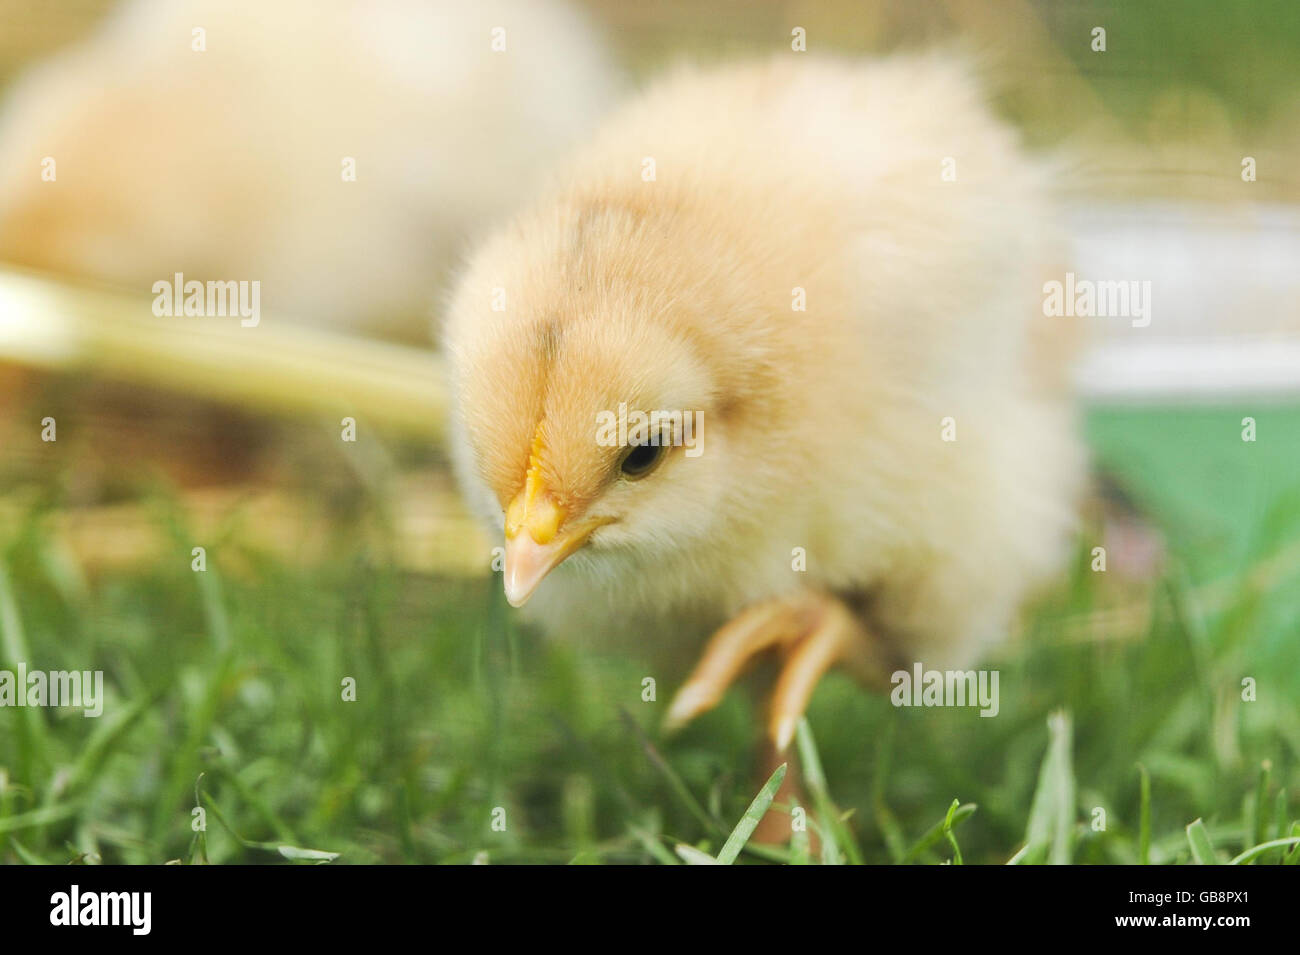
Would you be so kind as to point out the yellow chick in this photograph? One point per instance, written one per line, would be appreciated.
(820, 283)
(339, 153)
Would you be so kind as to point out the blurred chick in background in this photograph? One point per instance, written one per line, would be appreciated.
(908, 429)
(227, 162)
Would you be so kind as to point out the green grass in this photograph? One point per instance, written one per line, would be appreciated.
(473, 739)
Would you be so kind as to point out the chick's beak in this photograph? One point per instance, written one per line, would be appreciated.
(535, 544)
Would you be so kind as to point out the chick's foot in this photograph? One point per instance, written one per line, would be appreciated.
(811, 631)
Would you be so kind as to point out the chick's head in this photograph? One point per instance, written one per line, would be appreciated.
(596, 419)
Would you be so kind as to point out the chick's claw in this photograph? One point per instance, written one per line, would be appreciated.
(836, 636)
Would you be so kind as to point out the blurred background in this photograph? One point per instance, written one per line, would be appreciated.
(330, 559)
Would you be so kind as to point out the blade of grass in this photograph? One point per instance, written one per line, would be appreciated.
(1254, 852)
(289, 852)
(39, 817)
(947, 832)
(749, 821)
(1199, 840)
(693, 856)
(199, 845)
(650, 842)
(304, 855)
(31, 733)
(832, 824)
(831, 854)
(1262, 805)
(936, 832)
(1051, 816)
(1144, 816)
(1292, 856)
(27, 855)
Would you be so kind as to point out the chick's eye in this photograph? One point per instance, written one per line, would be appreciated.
(640, 460)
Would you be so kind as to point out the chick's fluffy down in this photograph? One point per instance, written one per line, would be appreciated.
(824, 427)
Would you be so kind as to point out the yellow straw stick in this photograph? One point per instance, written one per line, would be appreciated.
(274, 366)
